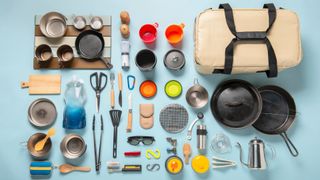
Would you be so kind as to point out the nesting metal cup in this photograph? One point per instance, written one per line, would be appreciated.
(43, 54)
(65, 55)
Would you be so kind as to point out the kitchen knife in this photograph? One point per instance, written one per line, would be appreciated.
(120, 88)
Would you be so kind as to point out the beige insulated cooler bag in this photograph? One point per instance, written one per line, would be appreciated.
(247, 40)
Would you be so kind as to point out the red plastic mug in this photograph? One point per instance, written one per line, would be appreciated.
(174, 33)
(148, 33)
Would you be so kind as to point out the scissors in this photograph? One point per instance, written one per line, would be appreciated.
(98, 85)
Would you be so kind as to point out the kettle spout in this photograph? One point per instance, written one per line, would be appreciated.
(242, 162)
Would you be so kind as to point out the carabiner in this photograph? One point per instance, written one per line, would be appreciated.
(131, 83)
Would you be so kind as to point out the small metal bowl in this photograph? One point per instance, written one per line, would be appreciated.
(96, 23)
(79, 22)
(197, 96)
(44, 153)
(73, 146)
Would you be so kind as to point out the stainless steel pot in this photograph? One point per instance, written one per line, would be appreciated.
(53, 25)
(73, 146)
(44, 153)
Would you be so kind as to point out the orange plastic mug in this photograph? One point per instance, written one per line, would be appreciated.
(174, 33)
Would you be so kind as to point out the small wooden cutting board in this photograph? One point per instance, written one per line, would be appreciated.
(43, 84)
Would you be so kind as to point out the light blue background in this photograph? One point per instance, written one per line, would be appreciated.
(16, 49)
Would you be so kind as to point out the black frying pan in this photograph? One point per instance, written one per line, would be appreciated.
(278, 114)
(90, 46)
(236, 104)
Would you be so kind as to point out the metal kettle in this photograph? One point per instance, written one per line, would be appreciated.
(256, 156)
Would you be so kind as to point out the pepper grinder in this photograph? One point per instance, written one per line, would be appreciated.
(201, 137)
(125, 49)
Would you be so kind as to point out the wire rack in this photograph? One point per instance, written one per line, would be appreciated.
(174, 118)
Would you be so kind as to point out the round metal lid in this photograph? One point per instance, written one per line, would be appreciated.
(174, 60)
(236, 104)
(42, 113)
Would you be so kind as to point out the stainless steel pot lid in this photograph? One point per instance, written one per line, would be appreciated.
(236, 104)
(174, 60)
(73, 146)
(42, 113)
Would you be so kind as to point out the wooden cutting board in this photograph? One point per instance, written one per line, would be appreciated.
(43, 84)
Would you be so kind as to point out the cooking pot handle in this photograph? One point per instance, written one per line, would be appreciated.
(234, 104)
(195, 81)
(107, 62)
(293, 150)
(24, 144)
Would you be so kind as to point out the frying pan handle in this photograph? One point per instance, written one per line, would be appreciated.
(234, 104)
(293, 150)
(115, 137)
(107, 62)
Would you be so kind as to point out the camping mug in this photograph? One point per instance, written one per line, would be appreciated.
(65, 55)
(146, 60)
(43, 54)
(44, 153)
(148, 33)
(174, 33)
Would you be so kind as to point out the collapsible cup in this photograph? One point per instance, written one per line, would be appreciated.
(174, 33)
(148, 33)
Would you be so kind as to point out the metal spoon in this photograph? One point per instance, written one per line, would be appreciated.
(40, 144)
(67, 168)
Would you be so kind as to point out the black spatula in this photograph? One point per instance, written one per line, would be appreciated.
(115, 118)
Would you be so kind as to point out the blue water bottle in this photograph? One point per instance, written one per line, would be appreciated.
(74, 116)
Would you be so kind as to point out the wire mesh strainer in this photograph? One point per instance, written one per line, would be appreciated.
(174, 118)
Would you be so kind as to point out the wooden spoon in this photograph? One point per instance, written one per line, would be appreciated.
(67, 168)
(40, 144)
(186, 152)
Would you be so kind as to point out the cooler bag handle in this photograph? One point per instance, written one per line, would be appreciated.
(252, 36)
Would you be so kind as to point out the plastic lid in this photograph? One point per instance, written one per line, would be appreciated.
(200, 164)
(174, 165)
(148, 89)
(173, 88)
(174, 60)
(236, 104)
